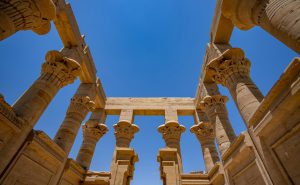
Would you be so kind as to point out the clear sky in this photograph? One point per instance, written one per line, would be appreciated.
(141, 48)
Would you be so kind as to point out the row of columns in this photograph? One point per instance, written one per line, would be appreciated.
(231, 69)
(59, 71)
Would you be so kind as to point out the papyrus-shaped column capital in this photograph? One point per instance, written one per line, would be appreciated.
(203, 130)
(125, 129)
(171, 132)
(124, 133)
(63, 70)
(231, 62)
(19, 15)
(232, 69)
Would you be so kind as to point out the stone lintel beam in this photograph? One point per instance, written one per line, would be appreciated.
(75, 46)
(88, 70)
(204, 131)
(232, 70)
(278, 17)
(93, 130)
(20, 15)
(150, 106)
(221, 28)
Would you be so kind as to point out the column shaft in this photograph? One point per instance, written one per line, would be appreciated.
(93, 130)
(57, 71)
(232, 70)
(79, 107)
(205, 134)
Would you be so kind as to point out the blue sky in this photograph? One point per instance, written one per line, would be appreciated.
(141, 48)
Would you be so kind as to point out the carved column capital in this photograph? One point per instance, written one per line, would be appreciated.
(171, 132)
(92, 132)
(59, 69)
(124, 133)
(203, 131)
(209, 101)
(80, 104)
(93, 129)
(240, 12)
(205, 134)
(231, 62)
(19, 15)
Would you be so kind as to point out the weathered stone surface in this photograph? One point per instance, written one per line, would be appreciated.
(122, 166)
(278, 17)
(232, 70)
(171, 132)
(80, 105)
(215, 108)
(92, 132)
(205, 134)
(124, 133)
(19, 15)
(267, 153)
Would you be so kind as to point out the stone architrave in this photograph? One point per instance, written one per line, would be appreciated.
(19, 15)
(79, 107)
(217, 114)
(92, 132)
(57, 71)
(232, 70)
(278, 17)
(205, 134)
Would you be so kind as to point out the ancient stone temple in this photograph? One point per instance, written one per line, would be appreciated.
(266, 153)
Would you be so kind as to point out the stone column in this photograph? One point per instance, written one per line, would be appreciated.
(278, 17)
(122, 167)
(171, 130)
(125, 129)
(19, 15)
(57, 71)
(205, 134)
(170, 162)
(170, 157)
(93, 130)
(232, 70)
(216, 111)
(124, 158)
(80, 105)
